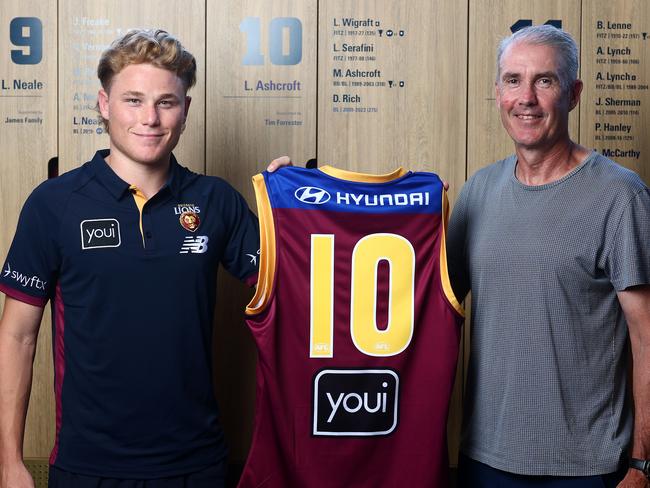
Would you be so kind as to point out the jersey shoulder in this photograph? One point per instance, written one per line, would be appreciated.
(52, 195)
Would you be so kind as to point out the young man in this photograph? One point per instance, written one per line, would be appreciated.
(126, 248)
(553, 243)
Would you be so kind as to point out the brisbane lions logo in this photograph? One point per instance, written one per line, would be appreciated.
(190, 221)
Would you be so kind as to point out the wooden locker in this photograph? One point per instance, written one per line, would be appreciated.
(28, 33)
(392, 92)
(491, 21)
(392, 86)
(616, 74)
(249, 121)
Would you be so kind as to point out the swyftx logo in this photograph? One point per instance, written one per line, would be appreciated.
(355, 402)
(24, 280)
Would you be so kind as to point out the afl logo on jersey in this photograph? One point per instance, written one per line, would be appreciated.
(312, 195)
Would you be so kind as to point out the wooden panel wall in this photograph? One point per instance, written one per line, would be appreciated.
(415, 89)
(392, 86)
(615, 69)
(28, 108)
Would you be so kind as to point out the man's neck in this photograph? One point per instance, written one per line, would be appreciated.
(148, 178)
(541, 166)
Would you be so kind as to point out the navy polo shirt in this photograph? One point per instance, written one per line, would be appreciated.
(132, 313)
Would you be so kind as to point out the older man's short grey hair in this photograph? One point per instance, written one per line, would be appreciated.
(547, 35)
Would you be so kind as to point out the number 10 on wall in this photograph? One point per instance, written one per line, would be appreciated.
(279, 53)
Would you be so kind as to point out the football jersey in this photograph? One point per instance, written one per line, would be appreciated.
(357, 331)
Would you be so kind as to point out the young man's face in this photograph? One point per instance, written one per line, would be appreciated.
(146, 108)
(534, 108)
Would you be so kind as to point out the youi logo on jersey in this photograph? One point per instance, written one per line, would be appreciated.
(353, 402)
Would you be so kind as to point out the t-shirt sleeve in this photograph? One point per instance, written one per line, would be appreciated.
(628, 259)
(29, 273)
(457, 245)
(242, 251)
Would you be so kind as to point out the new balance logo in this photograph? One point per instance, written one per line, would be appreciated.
(312, 195)
(194, 245)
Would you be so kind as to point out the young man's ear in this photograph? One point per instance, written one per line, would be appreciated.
(188, 100)
(102, 102)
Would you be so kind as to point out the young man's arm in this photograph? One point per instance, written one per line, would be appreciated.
(18, 333)
(635, 302)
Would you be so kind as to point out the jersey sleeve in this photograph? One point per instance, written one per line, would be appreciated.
(628, 259)
(30, 271)
(241, 253)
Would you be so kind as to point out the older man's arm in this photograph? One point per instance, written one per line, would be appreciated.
(278, 163)
(635, 302)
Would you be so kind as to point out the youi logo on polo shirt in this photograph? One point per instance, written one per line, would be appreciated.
(312, 195)
(99, 233)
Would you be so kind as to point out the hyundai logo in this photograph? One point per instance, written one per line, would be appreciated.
(312, 195)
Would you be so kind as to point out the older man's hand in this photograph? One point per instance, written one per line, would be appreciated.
(634, 479)
(279, 163)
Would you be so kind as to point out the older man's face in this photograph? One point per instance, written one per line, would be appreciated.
(534, 109)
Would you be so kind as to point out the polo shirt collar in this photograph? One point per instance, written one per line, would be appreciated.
(118, 187)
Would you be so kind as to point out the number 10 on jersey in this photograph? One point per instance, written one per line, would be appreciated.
(368, 252)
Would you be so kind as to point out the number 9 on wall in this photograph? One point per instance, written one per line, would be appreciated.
(26, 33)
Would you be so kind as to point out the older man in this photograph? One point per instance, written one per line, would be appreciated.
(554, 243)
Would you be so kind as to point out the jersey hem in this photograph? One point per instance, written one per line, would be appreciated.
(23, 297)
(138, 475)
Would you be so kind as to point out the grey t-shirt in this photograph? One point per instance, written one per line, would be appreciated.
(547, 392)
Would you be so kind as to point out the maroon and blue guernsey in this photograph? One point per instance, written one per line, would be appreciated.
(133, 296)
(357, 330)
